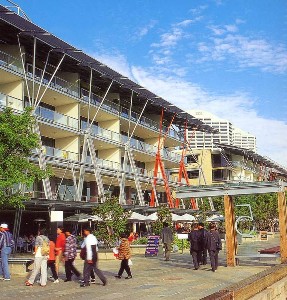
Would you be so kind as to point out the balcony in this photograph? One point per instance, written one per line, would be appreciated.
(8, 101)
(57, 118)
(50, 151)
(124, 113)
(10, 62)
(101, 132)
(56, 83)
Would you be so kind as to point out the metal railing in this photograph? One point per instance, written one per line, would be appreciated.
(14, 64)
(56, 117)
(57, 82)
(8, 101)
(10, 62)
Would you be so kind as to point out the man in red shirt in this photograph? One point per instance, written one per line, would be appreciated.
(60, 246)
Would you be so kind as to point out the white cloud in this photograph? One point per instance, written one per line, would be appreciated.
(238, 107)
(144, 30)
(244, 51)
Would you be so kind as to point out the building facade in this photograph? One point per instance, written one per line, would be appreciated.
(227, 134)
(102, 134)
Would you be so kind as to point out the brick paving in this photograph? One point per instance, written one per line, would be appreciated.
(153, 278)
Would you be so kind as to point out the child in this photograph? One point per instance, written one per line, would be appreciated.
(124, 255)
(51, 260)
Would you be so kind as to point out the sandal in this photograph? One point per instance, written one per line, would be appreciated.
(27, 283)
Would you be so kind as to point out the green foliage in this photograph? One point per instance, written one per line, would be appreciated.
(114, 221)
(164, 215)
(181, 243)
(140, 241)
(17, 141)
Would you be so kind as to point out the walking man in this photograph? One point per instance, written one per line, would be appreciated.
(196, 245)
(167, 239)
(91, 260)
(70, 254)
(6, 245)
(214, 245)
(203, 255)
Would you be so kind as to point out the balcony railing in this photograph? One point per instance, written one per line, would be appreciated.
(10, 62)
(101, 132)
(14, 64)
(8, 101)
(124, 113)
(57, 82)
(57, 117)
(50, 151)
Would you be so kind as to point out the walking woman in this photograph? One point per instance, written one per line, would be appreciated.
(40, 262)
(213, 244)
(124, 256)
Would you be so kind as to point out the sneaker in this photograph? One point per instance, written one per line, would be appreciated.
(84, 284)
(56, 281)
(129, 277)
(7, 279)
(93, 281)
(118, 276)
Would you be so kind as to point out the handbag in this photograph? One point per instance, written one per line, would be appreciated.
(130, 263)
(83, 253)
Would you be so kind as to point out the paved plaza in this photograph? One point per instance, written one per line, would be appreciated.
(153, 278)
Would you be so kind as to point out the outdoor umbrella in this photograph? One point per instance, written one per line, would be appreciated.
(152, 217)
(187, 218)
(136, 217)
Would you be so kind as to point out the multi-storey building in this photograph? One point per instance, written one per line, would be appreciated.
(227, 134)
(100, 132)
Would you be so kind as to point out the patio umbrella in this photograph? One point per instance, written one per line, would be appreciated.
(78, 218)
(215, 218)
(152, 217)
(187, 218)
(136, 217)
(175, 218)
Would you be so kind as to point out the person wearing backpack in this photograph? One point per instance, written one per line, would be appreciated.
(6, 245)
(41, 251)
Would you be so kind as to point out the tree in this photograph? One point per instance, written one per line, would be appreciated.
(163, 215)
(17, 141)
(114, 220)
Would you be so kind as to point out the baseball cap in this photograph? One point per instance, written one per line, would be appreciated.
(4, 225)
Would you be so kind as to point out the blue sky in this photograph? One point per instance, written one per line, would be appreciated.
(228, 57)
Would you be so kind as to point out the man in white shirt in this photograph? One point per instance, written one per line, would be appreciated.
(91, 244)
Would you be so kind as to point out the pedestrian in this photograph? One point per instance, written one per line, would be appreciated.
(40, 260)
(167, 239)
(90, 245)
(125, 256)
(214, 245)
(60, 247)
(70, 254)
(195, 238)
(51, 260)
(6, 245)
(203, 256)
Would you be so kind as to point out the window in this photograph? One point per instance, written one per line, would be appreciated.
(191, 159)
(193, 174)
